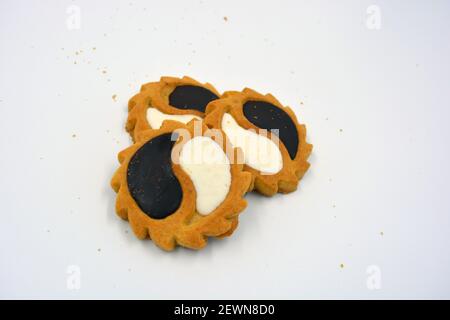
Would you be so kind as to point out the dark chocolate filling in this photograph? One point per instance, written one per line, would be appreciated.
(191, 97)
(150, 178)
(268, 116)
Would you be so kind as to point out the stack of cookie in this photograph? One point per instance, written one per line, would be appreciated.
(196, 153)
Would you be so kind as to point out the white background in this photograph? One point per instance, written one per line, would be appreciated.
(375, 101)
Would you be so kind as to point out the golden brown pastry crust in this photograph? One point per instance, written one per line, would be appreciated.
(185, 226)
(287, 179)
(156, 94)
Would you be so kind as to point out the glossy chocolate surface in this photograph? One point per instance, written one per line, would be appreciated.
(150, 178)
(191, 97)
(268, 116)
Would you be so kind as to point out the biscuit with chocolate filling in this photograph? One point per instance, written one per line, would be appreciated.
(271, 138)
(168, 99)
(178, 185)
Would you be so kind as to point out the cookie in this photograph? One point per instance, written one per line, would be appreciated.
(169, 99)
(178, 186)
(272, 140)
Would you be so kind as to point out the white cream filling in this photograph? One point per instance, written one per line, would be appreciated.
(209, 169)
(260, 152)
(155, 117)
